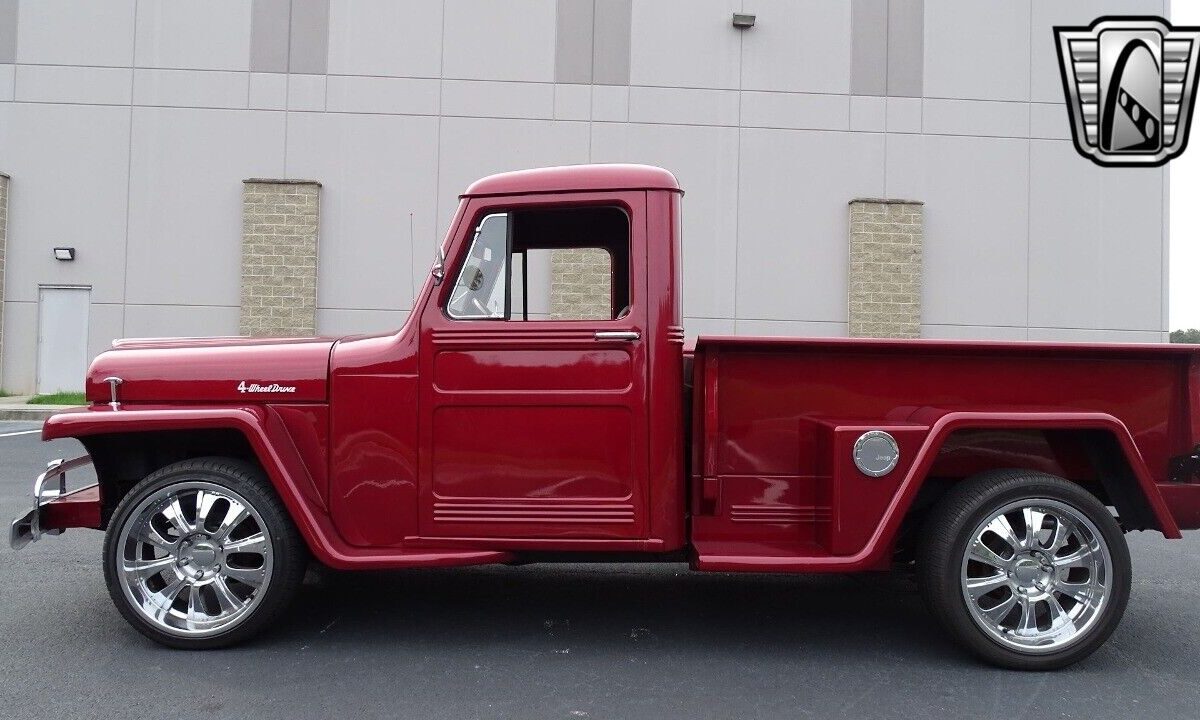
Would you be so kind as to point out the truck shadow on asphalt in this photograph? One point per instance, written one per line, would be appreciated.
(609, 608)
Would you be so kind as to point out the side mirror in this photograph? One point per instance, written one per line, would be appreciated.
(438, 271)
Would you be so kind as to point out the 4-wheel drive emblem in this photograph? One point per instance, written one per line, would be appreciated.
(1130, 84)
(245, 387)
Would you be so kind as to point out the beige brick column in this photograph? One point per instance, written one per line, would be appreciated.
(280, 220)
(3, 251)
(886, 237)
(580, 284)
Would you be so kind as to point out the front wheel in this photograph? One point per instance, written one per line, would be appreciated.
(202, 554)
(1025, 570)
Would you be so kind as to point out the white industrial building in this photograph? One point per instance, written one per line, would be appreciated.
(127, 128)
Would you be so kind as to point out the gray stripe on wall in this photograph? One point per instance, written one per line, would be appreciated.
(573, 42)
(869, 61)
(610, 53)
(8, 31)
(906, 48)
(309, 49)
(269, 21)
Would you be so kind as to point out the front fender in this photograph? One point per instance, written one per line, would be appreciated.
(262, 429)
(281, 461)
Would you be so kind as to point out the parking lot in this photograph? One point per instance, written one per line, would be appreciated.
(571, 641)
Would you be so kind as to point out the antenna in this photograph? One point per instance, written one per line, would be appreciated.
(412, 254)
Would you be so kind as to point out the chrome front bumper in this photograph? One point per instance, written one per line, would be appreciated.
(49, 486)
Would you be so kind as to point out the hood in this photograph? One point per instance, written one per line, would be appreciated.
(213, 370)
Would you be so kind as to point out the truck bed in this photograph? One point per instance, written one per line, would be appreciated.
(775, 419)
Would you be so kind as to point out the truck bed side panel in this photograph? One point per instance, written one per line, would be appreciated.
(776, 420)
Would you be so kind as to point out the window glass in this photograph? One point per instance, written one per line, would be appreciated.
(479, 292)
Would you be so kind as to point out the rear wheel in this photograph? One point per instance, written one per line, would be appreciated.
(1025, 570)
(202, 554)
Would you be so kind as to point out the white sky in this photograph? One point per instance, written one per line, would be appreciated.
(1185, 210)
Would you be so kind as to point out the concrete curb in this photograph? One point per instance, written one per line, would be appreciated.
(30, 413)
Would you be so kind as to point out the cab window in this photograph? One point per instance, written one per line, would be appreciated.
(531, 265)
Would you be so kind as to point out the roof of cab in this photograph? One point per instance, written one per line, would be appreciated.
(575, 178)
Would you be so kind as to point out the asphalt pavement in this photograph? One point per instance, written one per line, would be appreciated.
(565, 641)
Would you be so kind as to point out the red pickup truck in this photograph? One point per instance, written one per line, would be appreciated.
(485, 432)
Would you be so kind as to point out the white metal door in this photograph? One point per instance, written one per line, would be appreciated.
(62, 338)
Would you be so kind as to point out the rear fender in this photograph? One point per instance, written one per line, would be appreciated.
(1121, 470)
(876, 554)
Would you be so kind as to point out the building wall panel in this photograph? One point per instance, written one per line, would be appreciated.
(128, 128)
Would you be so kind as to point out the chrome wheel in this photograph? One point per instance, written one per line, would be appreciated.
(194, 559)
(1036, 575)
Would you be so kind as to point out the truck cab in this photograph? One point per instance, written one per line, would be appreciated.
(513, 425)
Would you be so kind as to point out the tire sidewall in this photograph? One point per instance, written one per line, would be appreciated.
(241, 480)
(955, 613)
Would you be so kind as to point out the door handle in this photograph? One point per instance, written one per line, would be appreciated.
(626, 335)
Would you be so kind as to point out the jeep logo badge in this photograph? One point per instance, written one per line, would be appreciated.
(1130, 84)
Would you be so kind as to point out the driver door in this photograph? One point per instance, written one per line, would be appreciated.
(535, 426)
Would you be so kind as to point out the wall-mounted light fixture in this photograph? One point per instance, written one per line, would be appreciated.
(64, 253)
(743, 21)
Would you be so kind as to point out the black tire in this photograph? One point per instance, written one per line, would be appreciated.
(944, 541)
(288, 551)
